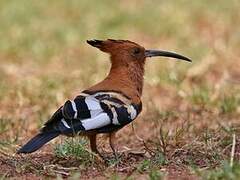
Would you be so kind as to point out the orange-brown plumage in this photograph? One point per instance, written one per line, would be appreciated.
(127, 70)
(126, 73)
(107, 106)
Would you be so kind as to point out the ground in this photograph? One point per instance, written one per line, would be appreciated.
(189, 127)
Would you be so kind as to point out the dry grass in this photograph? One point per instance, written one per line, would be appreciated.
(191, 111)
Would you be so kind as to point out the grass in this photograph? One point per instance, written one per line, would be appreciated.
(225, 171)
(229, 104)
(190, 110)
(76, 149)
(153, 163)
(200, 96)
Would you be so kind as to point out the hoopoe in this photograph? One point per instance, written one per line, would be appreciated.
(107, 106)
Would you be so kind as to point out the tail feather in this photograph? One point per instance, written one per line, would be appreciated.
(38, 141)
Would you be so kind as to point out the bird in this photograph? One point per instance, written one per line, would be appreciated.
(107, 106)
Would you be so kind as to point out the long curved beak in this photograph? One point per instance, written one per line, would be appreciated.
(152, 53)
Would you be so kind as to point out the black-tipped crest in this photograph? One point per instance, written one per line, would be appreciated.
(99, 43)
(111, 45)
(95, 43)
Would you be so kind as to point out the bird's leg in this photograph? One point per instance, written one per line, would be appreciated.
(112, 137)
(93, 145)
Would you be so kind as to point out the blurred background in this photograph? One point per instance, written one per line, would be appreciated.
(44, 60)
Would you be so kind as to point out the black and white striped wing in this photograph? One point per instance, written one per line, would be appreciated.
(86, 113)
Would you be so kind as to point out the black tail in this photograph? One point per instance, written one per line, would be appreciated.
(38, 141)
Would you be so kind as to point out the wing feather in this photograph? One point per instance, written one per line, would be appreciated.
(88, 112)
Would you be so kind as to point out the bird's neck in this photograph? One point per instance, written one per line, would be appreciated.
(127, 79)
(131, 76)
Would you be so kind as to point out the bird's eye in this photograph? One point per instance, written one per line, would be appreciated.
(136, 51)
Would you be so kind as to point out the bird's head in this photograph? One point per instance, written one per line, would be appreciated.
(124, 52)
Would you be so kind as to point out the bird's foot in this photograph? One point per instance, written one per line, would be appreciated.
(98, 155)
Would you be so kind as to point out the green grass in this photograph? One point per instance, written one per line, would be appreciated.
(155, 175)
(229, 104)
(225, 171)
(75, 148)
(200, 96)
(155, 162)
